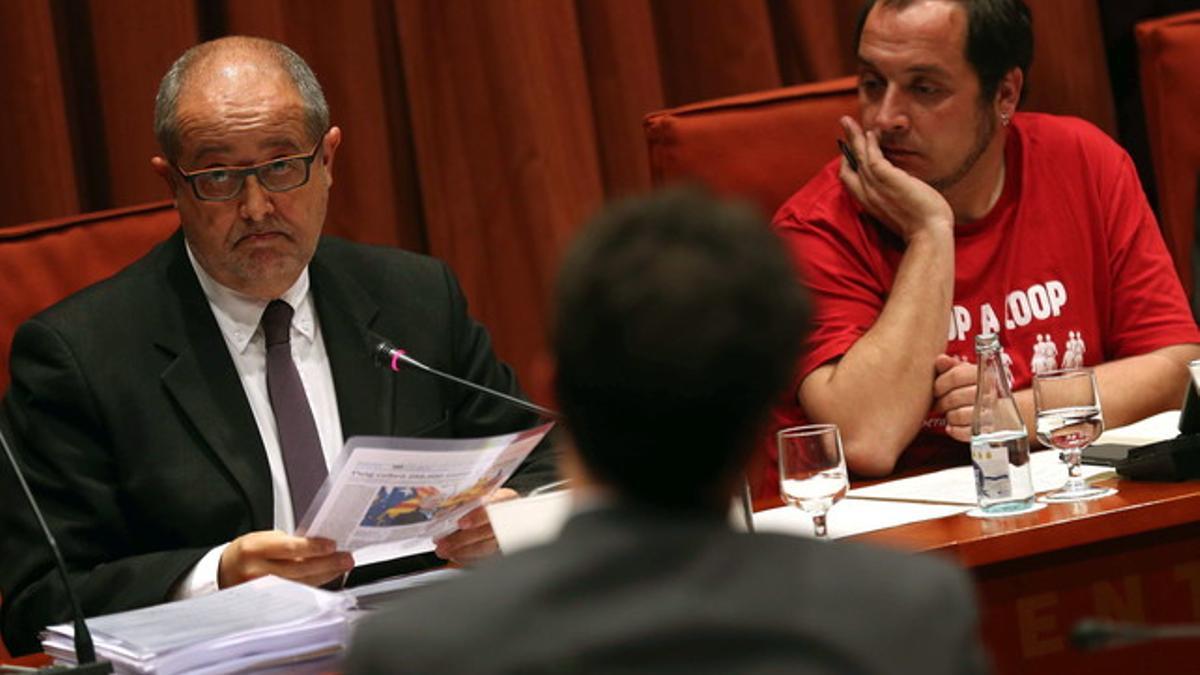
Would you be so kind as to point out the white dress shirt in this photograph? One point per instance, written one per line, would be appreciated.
(238, 316)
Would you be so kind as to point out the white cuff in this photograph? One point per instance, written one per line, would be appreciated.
(202, 579)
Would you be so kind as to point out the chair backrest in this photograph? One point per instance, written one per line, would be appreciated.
(1169, 55)
(761, 147)
(43, 262)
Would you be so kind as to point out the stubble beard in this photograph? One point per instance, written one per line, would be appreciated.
(984, 131)
(276, 269)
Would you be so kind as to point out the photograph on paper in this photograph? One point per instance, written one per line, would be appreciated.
(387, 497)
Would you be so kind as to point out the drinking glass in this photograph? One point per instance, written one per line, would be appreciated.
(812, 470)
(1069, 419)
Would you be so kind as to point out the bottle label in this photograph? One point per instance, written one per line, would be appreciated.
(991, 462)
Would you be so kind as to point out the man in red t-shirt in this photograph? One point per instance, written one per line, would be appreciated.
(964, 217)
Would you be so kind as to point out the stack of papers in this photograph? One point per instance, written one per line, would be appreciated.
(265, 623)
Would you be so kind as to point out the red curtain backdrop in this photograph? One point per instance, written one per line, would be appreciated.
(479, 131)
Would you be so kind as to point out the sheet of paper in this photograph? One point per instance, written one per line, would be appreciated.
(370, 596)
(536, 520)
(522, 523)
(852, 516)
(957, 485)
(390, 497)
(947, 492)
(1155, 428)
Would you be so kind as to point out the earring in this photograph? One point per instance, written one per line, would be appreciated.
(1004, 119)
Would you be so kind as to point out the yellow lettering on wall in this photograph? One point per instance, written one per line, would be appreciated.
(1125, 603)
(1189, 573)
(1037, 625)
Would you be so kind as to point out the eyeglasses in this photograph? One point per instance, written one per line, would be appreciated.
(277, 175)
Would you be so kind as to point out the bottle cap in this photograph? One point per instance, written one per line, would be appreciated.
(987, 341)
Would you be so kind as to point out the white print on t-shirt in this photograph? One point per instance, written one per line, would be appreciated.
(1073, 356)
(1007, 362)
(1045, 355)
(1021, 307)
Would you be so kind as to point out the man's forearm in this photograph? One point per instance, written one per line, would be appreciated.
(1132, 388)
(879, 392)
(1137, 387)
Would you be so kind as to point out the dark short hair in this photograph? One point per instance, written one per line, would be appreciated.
(999, 37)
(679, 321)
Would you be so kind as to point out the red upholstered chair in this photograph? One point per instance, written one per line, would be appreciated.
(1169, 54)
(761, 147)
(43, 262)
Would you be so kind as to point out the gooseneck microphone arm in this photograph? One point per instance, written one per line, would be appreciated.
(1092, 634)
(85, 651)
(391, 358)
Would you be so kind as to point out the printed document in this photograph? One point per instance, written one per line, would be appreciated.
(388, 497)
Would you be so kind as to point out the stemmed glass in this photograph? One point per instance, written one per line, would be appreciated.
(812, 470)
(1069, 419)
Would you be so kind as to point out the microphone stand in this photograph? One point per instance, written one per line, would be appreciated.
(390, 357)
(747, 504)
(85, 651)
(1096, 634)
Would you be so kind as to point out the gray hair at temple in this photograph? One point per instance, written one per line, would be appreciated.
(166, 127)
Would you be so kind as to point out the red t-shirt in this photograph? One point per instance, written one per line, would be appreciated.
(1068, 268)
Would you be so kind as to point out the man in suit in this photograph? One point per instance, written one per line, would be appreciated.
(678, 323)
(148, 418)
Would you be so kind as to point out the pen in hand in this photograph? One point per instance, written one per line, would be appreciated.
(848, 154)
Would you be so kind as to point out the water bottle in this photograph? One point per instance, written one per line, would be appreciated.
(999, 441)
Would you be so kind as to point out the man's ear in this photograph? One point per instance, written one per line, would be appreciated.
(164, 170)
(1008, 93)
(333, 139)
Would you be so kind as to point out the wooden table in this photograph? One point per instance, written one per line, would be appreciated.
(1133, 556)
(38, 660)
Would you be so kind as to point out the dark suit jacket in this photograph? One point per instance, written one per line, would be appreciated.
(629, 591)
(136, 436)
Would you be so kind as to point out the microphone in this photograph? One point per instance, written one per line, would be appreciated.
(85, 651)
(1094, 634)
(391, 358)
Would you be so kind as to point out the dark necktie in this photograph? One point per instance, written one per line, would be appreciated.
(298, 438)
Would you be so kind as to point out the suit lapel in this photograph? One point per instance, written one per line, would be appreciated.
(205, 385)
(346, 313)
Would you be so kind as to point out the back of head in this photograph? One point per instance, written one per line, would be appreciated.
(679, 319)
(999, 37)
